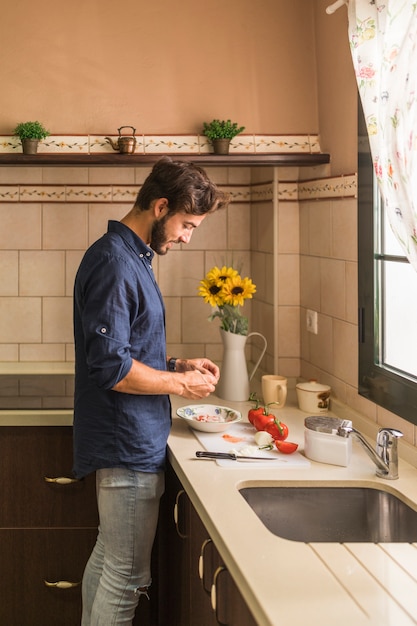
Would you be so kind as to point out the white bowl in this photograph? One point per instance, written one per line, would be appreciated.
(217, 418)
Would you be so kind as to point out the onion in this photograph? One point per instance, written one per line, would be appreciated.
(263, 439)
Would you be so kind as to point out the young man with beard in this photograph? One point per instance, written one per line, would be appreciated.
(123, 378)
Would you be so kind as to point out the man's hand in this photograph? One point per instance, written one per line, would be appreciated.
(197, 384)
(203, 365)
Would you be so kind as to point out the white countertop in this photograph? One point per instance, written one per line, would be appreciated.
(287, 582)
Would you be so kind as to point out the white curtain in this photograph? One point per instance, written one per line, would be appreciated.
(383, 40)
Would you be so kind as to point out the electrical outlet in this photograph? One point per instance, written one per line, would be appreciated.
(312, 322)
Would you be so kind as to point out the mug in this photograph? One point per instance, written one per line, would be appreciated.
(274, 389)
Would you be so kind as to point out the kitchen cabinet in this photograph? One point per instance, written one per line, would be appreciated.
(193, 573)
(48, 527)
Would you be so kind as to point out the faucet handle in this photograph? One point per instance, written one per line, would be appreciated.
(387, 449)
(389, 434)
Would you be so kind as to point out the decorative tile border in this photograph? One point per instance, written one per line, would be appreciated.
(325, 188)
(42, 193)
(262, 192)
(89, 193)
(286, 144)
(337, 187)
(172, 144)
(169, 144)
(9, 193)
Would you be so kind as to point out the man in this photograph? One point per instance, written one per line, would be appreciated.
(122, 411)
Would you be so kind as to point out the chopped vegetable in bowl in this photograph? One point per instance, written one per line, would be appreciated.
(209, 417)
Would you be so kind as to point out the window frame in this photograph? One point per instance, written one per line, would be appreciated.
(386, 388)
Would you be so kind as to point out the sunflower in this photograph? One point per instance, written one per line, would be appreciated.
(212, 292)
(216, 275)
(236, 290)
(225, 290)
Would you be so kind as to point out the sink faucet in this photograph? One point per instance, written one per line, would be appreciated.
(385, 455)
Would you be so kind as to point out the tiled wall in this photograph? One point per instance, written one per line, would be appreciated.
(168, 144)
(49, 216)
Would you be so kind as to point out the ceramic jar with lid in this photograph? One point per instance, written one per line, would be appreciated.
(323, 444)
(313, 397)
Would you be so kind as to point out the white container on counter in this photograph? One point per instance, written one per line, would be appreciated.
(322, 444)
(313, 397)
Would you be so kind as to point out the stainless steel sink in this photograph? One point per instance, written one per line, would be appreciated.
(333, 514)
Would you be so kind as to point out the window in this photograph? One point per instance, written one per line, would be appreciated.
(387, 303)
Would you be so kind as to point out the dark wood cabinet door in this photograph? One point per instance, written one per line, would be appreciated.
(204, 560)
(184, 588)
(40, 573)
(29, 456)
(173, 550)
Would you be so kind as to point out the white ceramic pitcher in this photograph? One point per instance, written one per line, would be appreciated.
(234, 379)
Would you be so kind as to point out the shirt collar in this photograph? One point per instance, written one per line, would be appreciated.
(131, 238)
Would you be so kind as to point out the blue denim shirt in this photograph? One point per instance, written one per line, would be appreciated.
(119, 315)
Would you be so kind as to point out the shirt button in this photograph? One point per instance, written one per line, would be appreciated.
(148, 254)
(103, 330)
(141, 255)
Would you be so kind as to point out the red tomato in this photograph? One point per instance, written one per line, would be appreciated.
(262, 420)
(253, 413)
(278, 430)
(286, 447)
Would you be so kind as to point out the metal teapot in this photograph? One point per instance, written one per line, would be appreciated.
(125, 144)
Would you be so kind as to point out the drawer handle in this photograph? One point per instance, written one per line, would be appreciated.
(62, 584)
(201, 563)
(213, 595)
(176, 514)
(61, 480)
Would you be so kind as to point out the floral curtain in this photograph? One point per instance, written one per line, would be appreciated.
(383, 41)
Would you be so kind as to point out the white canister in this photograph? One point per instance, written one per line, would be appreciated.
(313, 397)
(323, 444)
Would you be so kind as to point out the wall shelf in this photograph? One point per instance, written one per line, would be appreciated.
(137, 160)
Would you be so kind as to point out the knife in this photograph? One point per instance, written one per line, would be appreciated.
(232, 457)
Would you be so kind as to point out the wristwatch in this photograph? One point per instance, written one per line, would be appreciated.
(172, 364)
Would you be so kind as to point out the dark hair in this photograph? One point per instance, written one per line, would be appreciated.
(186, 187)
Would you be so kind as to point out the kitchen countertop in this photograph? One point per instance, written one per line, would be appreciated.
(36, 417)
(288, 582)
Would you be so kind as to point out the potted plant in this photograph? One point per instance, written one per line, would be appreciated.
(220, 133)
(30, 133)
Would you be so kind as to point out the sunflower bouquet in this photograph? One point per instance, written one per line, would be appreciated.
(224, 289)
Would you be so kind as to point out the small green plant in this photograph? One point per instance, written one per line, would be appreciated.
(30, 130)
(221, 129)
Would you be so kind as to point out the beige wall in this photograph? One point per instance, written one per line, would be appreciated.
(275, 66)
(337, 91)
(328, 233)
(90, 67)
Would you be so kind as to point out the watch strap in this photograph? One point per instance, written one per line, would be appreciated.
(172, 364)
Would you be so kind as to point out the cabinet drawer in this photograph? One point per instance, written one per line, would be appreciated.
(28, 558)
(29, 455)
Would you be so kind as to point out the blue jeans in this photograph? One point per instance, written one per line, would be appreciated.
(119, 568)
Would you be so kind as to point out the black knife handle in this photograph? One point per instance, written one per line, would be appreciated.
(215, 455)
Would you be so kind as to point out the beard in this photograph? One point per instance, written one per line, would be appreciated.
(159, 237)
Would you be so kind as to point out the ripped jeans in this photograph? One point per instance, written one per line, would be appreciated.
(119, 568)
